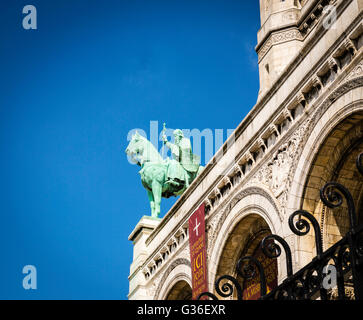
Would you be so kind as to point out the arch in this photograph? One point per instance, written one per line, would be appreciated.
(344, 101)
(178, 270)
(336, 161)
(244, 240)
(225, 212)
(334, 129)
(181, 290)
(246, 208)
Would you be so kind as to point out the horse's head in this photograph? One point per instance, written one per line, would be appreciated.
(141, 150)
(136, 145)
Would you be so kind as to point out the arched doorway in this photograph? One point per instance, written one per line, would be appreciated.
(335, 161)
(244, 240)
(180, 291)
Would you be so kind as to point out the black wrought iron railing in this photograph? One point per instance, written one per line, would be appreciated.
(312, 281)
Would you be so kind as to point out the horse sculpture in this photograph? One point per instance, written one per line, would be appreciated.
(154, 172)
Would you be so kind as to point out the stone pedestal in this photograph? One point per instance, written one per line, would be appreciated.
(138, 236)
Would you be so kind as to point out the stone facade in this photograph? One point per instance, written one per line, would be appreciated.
(306, 129)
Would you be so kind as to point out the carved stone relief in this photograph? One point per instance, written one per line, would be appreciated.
(274, 174)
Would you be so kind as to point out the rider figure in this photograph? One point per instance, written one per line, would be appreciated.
(181, 150)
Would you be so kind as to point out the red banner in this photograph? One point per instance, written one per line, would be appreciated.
(198, 252)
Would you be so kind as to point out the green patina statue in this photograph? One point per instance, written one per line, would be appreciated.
(164, 177)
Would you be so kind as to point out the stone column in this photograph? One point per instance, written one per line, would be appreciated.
(138, 236)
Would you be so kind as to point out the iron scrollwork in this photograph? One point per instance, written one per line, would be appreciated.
(302, 228)
(332, 196)
(346, 256)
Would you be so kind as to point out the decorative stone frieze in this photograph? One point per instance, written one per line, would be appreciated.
(277, 38)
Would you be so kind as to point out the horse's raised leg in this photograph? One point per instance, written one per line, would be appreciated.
(157, 189)
(152, 202)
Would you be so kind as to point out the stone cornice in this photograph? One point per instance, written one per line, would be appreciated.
(278, 37)
(305, 13)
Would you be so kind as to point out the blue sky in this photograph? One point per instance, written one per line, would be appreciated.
(70, 92)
